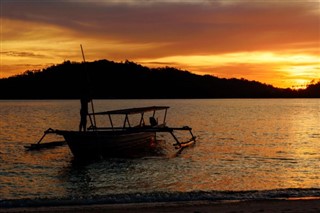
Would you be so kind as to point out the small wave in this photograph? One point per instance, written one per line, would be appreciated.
(314, 135)
(227, 139)
(293, 193)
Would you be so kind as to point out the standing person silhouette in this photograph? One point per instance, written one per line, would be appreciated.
(83, 113)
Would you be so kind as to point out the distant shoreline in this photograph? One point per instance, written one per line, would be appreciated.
(274, 205)
(111, 80)
(62, 99)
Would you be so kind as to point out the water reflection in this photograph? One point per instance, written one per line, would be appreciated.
(241, 145)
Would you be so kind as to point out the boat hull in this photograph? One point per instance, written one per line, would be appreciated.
(106, 144)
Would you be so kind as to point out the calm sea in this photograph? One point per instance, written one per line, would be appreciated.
(246, 149)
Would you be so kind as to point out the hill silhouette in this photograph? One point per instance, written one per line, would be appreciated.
(105, 79)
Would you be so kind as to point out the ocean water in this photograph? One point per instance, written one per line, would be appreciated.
(245, 149)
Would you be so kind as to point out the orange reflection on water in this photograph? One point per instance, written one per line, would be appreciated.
(241, 145)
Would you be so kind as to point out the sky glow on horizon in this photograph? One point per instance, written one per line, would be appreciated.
(267, 41)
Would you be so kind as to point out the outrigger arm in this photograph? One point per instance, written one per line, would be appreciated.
(179, 144)
(40, 145)
(171, 130)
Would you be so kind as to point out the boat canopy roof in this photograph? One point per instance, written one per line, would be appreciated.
(127, 111)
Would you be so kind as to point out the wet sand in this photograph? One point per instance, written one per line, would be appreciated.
(287, 206)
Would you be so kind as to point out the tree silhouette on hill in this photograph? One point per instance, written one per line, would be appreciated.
(105, 79)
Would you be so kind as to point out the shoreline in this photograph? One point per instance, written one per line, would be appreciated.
(274, 205)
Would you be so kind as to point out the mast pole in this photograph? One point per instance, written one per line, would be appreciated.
(92, 108)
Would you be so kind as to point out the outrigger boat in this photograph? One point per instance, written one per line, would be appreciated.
(124, 139)
(117, 141)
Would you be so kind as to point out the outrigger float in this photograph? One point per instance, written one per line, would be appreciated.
(122, 140)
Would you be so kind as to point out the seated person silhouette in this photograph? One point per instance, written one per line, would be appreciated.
(153, 121)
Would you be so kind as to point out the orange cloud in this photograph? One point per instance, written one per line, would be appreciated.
(218, 37)
(278, 69)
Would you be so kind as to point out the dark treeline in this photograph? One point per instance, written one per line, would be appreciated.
(105, 79)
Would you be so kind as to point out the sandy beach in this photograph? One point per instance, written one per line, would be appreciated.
(288, 206)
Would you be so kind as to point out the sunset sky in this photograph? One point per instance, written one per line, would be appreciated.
(272, 41)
